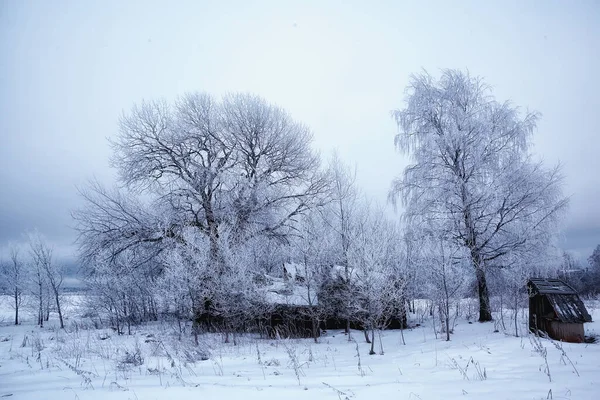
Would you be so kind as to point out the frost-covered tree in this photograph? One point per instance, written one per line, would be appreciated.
(442, 267)
(375, 276)
(47, 275)
(230, 299)
(344, 206)
(473, 173)
(202, 163)
(15, 278)
(594, 259)
(123, 289)
(340, 216)
(206, 169)
(313, 250)
(584, 278)
(114, 222)
(593, 286)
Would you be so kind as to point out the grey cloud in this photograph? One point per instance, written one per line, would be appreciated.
(67, 70)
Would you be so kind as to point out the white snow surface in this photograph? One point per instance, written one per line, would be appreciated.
(82, 362)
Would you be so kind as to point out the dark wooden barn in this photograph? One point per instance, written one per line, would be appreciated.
(556, 310)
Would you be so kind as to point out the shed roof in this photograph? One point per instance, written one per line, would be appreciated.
(564, 299)
(550, 286)
(569, 308)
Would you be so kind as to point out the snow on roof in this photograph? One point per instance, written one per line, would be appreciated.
(569, 308)
(289, 293)
(550, 286)
(293, 270)
(563, 298)
(293, 290)
(339, 271)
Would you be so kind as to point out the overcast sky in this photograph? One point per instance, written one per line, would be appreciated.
(69, 68)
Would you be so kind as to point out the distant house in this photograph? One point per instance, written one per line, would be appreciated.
(291, 304)
(296, 308)
(556, 309)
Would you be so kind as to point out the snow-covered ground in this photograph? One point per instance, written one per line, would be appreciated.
(82, 362)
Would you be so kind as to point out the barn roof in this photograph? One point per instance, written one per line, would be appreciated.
(564, 299)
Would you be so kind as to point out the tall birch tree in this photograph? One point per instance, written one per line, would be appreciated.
(472, 171)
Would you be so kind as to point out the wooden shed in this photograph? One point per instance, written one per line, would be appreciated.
(556, 309)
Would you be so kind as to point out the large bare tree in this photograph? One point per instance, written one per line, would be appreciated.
(238, 165)
(472, 172)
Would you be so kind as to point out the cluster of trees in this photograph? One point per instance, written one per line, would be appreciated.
(585, 279)
(33, 279)
(216, 195)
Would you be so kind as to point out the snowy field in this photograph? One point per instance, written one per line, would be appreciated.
(82, 362)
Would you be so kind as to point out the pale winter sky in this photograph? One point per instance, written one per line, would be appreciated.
(69, 68)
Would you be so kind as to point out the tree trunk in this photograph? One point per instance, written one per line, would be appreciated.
(446, 306)
(433, 320)
(348, 329)
(441, 312)
(16, 306)
(216, 262)
(366, 332)
(315, 329)
(60, 316)
(502, 312)
(447, 322)
(213, 236)
(516, 314)
(41, 307)
(485, 313)
(47, 303)
(347, 282)
(402, 332)
(372, 352)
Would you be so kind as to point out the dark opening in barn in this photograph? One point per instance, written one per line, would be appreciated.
(555, 309)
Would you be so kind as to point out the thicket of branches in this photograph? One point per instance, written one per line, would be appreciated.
(215, 196)
(33, 279)
(584, 277)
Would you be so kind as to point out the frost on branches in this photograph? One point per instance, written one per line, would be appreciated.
(472, 175)
(205, 184)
